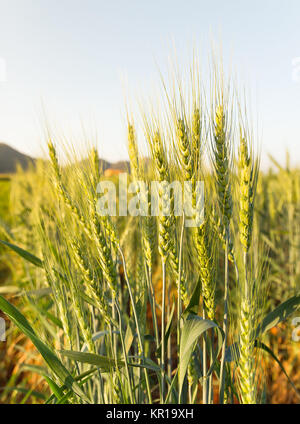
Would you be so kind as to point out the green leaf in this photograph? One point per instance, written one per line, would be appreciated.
(129, 337)
(97, 336)
(193, 328)
(58, 392)
(93, 359)
(172, 389)
(193, 306)
(278, 315)
(15, 314)
(65, 398)
(147, 363)
(107, 363)
(52, 360)
(168, 330)
(80, 378)
(24, 254)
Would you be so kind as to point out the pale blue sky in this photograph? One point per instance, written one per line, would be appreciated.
(74, 54)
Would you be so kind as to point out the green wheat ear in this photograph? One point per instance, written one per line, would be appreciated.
(190, 159)
(106, 221)
(248, 181)
(196, 137)
(222, 165)
(133, 153)
(92, 229)
(93, 288)
(166, 224)
(184, 149)
(205, 260)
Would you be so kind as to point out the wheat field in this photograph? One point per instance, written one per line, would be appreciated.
(146, 309)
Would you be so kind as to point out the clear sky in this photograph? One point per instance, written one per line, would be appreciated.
(73, 56)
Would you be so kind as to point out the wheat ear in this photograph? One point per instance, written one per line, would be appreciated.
(248, 180)
(222, 176)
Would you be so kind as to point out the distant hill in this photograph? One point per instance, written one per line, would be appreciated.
(121, 165)
(105, 165)
(9, 158)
